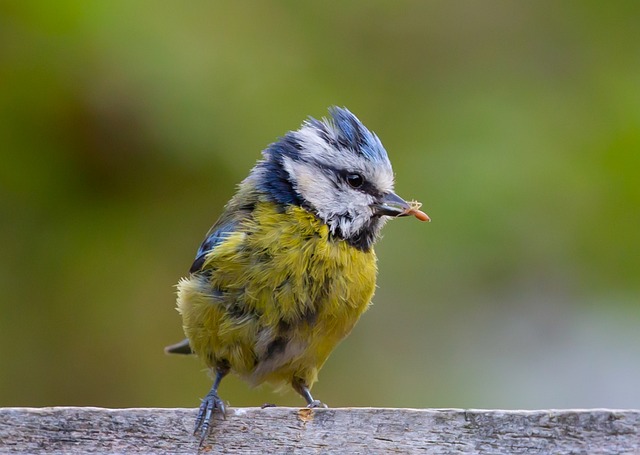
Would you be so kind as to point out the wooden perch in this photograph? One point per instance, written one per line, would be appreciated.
(326, 431)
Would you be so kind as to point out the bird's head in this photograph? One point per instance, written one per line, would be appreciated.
(337, 169)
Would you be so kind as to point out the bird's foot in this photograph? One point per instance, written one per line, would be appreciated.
(268, 405)
(210, 404)
(317, 404)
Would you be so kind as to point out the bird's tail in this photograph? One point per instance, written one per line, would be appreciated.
(181, 347)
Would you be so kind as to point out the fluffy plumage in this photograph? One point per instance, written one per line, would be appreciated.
(285, 273)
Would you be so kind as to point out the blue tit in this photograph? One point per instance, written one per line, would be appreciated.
(289, 267)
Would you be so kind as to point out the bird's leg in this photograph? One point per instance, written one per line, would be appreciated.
(210, 403)
(301, 387)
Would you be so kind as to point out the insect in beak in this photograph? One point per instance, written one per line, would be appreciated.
(391, 204)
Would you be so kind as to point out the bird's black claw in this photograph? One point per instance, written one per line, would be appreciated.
(268, 405)
(210, 404)
(317, 404)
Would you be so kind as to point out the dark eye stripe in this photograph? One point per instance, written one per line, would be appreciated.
(366, 187)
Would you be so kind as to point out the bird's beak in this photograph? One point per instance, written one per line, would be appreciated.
(391, 204)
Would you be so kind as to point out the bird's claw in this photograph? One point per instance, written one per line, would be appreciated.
(317, 404)
(210, 404)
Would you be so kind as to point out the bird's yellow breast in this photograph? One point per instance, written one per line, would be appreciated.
(276, 296)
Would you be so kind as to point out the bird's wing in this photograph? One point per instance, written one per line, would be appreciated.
(215, 236)
(226, 224)
(238, 209)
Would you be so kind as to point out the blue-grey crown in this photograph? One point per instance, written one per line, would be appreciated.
(343, 130)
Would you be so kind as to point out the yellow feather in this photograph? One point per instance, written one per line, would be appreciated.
(280, 275)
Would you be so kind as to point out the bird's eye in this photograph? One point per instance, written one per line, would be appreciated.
(355, 180)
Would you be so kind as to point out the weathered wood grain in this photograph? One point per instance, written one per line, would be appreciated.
(323, 431)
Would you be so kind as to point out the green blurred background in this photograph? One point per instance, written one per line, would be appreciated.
(125, 125)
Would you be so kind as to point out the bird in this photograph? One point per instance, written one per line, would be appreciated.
(289, 267)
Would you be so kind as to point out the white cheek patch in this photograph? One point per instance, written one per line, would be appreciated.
(342, 208)
(311, 184)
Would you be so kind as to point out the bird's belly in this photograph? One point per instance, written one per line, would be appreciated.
(279, 297)
(301, 350)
